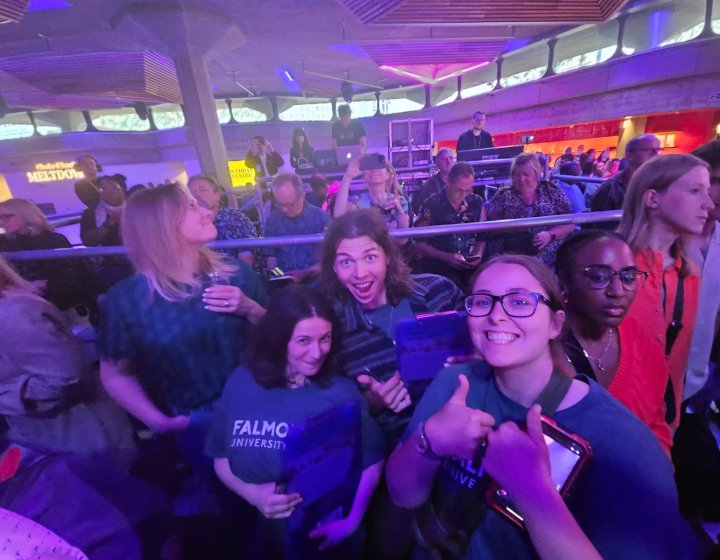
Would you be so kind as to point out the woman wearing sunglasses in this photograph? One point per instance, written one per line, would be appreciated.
(599, 278)
(624, 503)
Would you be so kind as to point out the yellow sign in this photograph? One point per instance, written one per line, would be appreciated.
(240, 174)
(58, 171)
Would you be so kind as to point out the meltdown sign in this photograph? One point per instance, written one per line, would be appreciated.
(58, 171)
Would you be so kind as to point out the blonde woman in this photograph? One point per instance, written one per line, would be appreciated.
(64, 283)
(171, 334)
(666, 204)
(529, 196)
(383, 191)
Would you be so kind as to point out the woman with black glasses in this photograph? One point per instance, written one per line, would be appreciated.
(600, 280)
(483, 418)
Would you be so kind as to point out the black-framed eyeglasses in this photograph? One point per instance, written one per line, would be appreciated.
(516, 304)
(600, 277)
(6, 216)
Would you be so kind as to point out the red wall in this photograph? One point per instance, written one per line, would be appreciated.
(693, 127)
(696, 127)
(561, 133)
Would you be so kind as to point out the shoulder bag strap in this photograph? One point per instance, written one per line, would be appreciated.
(554, 392)
(676, 324)
(671, 335)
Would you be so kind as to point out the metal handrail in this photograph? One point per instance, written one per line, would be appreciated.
(418, 232)
(401, 170)
(580, 178)
(61, 215)
(69, 221)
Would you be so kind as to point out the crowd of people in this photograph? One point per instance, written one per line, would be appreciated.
(225, 416)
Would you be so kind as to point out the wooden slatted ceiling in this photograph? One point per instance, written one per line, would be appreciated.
(433, 71)
(367, 10)
(314, 86)
(12, 10)
(393, 54)
(114, 76)
(473, 12)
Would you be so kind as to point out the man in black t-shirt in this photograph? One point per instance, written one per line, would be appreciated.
(476, 137)
(347, 132)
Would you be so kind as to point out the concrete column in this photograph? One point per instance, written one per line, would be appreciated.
(551, 57)
(170, 28)
(203, 128)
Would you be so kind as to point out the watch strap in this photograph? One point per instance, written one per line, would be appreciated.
(423, 447)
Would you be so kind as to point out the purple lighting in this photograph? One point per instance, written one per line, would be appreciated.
(288, 79)
(350, 48)
(39, 5)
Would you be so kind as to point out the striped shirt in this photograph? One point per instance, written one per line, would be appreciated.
(366, 349)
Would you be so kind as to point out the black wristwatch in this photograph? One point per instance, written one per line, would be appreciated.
(422, 444)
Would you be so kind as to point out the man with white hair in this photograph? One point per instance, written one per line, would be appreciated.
(294, 216)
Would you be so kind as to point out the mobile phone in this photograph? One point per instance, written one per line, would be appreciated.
(473, 258)
(372, 161)
(276, 275)
(569, 455)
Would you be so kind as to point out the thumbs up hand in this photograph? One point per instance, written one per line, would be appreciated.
(457, 430)
(391, 394)
(519, 461)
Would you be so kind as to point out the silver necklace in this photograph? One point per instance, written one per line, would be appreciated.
(600, 358)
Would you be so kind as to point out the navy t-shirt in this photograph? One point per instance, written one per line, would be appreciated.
(625, 500)
(250, 424)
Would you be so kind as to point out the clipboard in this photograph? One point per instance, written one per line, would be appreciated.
(425, 343)
(322, 461)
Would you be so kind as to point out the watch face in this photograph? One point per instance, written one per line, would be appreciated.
(421, 443)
